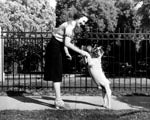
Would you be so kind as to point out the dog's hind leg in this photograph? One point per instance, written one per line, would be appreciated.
(104, 96)
(108, 95)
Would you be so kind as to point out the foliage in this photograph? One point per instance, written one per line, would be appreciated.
(144, 13)
(131, 17)
(20, 15)
(25, 15)
(103, 14)
(34, 15)
(65, 10)
(37, 15)
(128, 18)
(25, 51)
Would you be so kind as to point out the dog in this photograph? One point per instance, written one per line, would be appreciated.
(96, 72)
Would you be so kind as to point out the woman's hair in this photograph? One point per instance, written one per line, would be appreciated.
(78, 16)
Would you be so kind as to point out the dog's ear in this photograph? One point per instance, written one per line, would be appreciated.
(100, 47)
(89, 48)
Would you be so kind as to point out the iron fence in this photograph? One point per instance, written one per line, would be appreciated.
(126, 61)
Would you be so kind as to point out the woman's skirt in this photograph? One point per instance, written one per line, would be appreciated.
(53, 61)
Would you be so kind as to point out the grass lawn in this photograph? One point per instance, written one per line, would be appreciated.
(96, 114)
(75, 115)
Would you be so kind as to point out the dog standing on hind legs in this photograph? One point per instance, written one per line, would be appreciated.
(97, 74)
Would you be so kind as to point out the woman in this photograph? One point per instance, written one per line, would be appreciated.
(61, 40)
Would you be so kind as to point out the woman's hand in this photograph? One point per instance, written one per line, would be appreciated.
(86, 54)
(87, 58)
(69, 57)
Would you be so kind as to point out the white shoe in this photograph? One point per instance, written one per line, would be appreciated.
(59, 104)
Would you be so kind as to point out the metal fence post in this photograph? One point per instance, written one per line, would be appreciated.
(1, 58)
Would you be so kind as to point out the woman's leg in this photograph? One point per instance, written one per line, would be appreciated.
(59, 103)
(57, 90)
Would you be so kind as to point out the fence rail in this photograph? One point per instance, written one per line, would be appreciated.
(126, 61)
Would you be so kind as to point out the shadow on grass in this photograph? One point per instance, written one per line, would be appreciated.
(19, 96)
(73, 101)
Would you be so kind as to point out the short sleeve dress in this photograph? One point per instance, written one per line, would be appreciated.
(53, 57)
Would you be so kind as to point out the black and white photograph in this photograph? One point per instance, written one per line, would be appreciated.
(74, 59)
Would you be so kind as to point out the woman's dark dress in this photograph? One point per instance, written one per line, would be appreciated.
(53, 61)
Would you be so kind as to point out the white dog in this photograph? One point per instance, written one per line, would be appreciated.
(96, 72)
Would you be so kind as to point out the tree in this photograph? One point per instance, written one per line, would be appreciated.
(103, 14)
(144, 13)
(133, 14)
(20, 16)
(23, 15)
(127, 16)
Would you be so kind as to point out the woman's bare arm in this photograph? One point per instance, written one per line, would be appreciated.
(67, 53)
(67, 42)
(75, 48)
